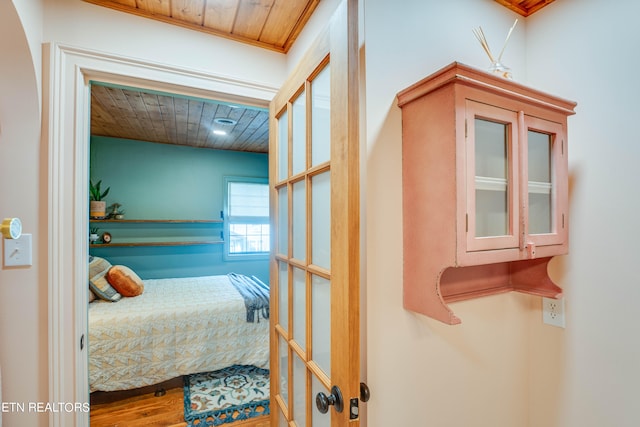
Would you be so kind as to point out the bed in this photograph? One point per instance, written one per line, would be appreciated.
(176, 327)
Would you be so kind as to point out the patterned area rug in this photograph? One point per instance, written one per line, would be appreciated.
(224, 396)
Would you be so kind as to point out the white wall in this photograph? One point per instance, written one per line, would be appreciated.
(422, 372)
(82, 24)
(588, 51)
(502, 366)
(316, 23)
(23, 295)
(30, 13)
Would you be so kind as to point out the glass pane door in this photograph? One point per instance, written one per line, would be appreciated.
(492, 168)
(545, 167)
(314, 175)
(303, 252)
(539, 182)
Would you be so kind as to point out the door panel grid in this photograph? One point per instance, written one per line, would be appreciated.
(315, 212)
(303, 250)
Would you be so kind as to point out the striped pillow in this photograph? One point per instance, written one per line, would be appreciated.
(98, 283)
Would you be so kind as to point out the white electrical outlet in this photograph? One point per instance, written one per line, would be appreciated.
(553, 311)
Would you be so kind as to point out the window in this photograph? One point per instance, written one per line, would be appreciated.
(247, 217)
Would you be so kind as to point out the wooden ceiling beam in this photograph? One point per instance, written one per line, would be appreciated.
(525, 7)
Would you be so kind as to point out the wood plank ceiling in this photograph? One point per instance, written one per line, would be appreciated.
(525, 7)
(135, 114)
(270, 24)
(145, 116)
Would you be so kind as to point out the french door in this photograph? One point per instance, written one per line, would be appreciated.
(315, 266)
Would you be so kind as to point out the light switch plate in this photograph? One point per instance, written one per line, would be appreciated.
(17, 252)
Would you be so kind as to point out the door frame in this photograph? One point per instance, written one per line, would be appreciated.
(66, 133)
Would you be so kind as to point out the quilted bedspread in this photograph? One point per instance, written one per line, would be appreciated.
(176, 327)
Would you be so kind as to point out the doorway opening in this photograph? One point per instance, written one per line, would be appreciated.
(187, 225)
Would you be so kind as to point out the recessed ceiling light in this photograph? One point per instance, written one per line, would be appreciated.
(224, 121)
(219, 132)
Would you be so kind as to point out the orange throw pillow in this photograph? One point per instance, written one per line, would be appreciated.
(125, 281)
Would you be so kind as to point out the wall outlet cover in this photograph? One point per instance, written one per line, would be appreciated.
(553, 312)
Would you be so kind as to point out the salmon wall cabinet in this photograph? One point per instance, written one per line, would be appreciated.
(485, 188)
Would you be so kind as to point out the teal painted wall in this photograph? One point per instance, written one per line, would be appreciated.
(162, 181)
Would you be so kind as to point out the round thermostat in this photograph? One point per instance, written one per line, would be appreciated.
(11, 228)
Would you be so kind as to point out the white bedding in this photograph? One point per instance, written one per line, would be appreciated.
(176, 327)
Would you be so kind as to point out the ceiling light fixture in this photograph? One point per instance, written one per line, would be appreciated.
(225, 121)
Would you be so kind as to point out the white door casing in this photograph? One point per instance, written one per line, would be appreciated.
(66, 119)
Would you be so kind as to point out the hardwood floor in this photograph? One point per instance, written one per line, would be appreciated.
(150, 411)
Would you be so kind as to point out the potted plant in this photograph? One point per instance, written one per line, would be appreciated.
(116, 211)
(97, 205)
(93, 235)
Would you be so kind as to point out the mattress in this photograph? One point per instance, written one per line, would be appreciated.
(176, 327)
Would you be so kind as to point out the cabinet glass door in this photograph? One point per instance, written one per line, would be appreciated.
(539, 182)
(491, 183)
(545, 168)
(492, 169)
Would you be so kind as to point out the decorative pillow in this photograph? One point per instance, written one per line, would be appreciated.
(98, 283)
(125, 281)
(92, 295)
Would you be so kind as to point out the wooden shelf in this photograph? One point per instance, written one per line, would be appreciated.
(158, 221)
(149, 241)
(159, 243)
